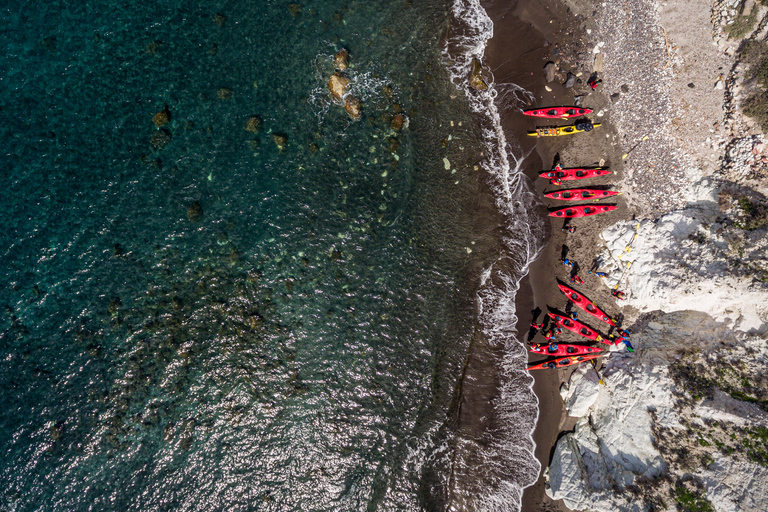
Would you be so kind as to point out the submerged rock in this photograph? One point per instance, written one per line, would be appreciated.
(224, 94)
(161, 138)
(280, 140)
(341, 60)
(353, 106)
(476, 80)
(338, 84)
(219, 19)
(295, 9)
(195, 212)
(253, 124)
(399, 121)
(162, 118)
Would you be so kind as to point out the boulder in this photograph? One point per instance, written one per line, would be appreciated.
(338, 84)
(550, 69)
(353, 106)
(570, 81)
(476, 80)
(341, 60)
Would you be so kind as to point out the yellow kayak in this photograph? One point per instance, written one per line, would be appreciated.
(555, 131)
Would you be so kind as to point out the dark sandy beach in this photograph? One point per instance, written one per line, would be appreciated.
(528, 34)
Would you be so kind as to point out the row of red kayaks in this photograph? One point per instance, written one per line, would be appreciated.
(574, 354)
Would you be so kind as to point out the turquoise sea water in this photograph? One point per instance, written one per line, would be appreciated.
(195, 319)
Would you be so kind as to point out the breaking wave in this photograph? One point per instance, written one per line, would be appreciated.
(491, 473)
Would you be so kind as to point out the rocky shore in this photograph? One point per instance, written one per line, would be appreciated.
(681, 423)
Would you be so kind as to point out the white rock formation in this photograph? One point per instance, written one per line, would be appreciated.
(581, 391)
(614, 445)
(682, 262)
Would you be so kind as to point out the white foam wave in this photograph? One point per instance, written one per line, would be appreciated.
(508, 458)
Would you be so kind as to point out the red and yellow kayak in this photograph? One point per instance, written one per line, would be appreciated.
(582, 211)
(564, 361)
(558, 112)
(578, 327)
(587, 305)
(580, 194)
(563, 349)
(575, 173)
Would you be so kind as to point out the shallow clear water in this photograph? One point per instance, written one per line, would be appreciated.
(201, 321)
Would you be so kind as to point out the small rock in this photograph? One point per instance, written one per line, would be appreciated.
(547, 88)
(446, 163)
(476, 76)
(550, 70)
(338, 84)
(341, 60)
(570, 81)
(224, 94)
(353, 106)
(253, 124)
(624, 88)
(600, 113)
(719, 84)
(691, 85)
(195, 212)
(615, 97)
(598, 65)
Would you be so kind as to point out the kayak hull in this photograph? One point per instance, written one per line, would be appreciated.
(563, 362)
(575, 173)
(572, 212)
(557, 112)
(557, 131)
(580, 194)
(563, 349)
(578, 328)
(588, 306)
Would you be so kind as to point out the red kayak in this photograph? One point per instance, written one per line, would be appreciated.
(579, 194)
(582, 211)
(563, 349)
(558, 112)
(575, 173)
(588, 306)
(563, 361)
(578, 327)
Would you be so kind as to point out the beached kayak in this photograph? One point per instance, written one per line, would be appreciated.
(580, 194)
(558, 112)
(556, 131)
(563, 349)
(564, 361)
(582, 210)
(578, 327)
(587, 305)
(575, 173)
